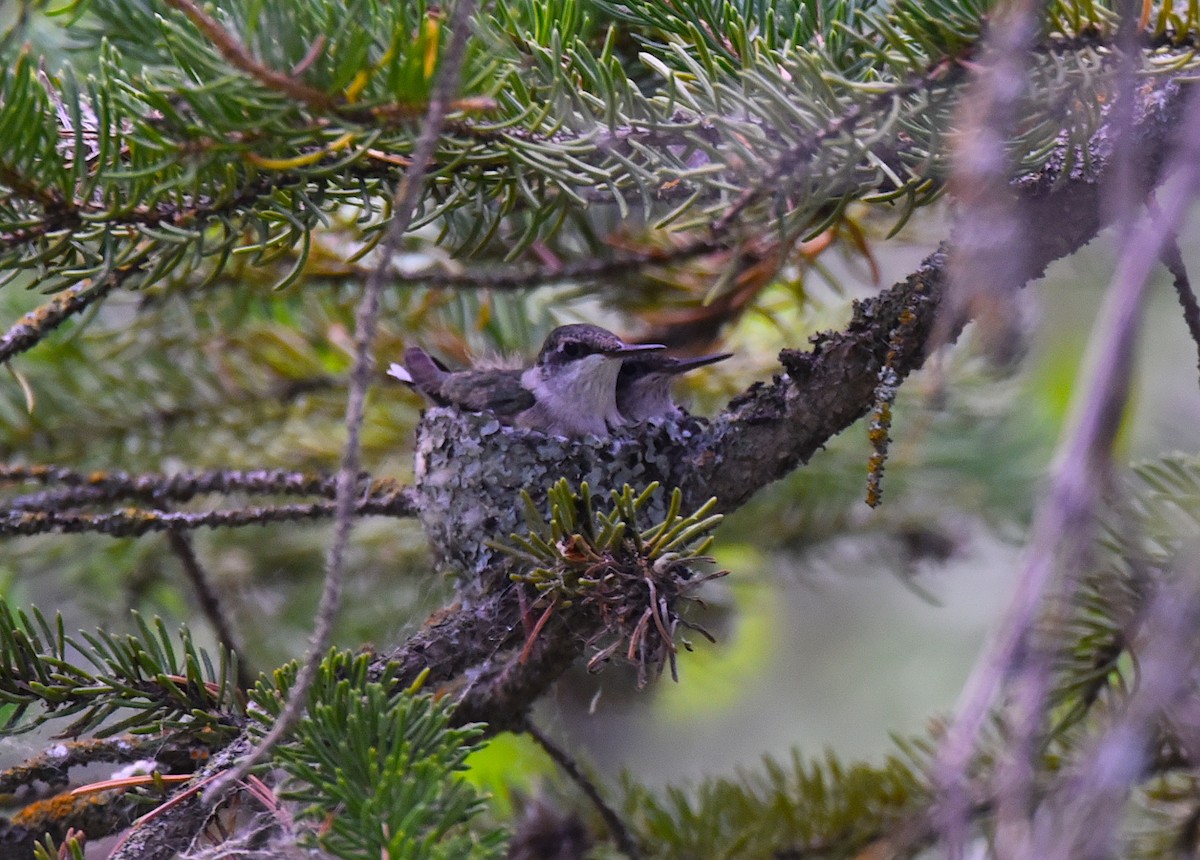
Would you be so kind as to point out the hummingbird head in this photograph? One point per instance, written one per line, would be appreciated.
(575, 374)
(644, 384)
(586, 345)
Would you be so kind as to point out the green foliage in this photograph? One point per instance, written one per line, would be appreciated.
(577, 536)
(379, 772)
(48, 849)
(1166, 821)
(628, 576)
(167, 686)
(803, 808)
(175, 155)
(1139, 546)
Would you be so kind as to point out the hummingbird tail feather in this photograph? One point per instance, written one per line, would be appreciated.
(423, 369)
(398, 371)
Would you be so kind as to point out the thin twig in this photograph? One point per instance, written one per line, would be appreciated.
(987, 266)
(39, 322)
(1062, 526)
(407, 196)
(54, 765)
(135, 522)
(616, 827)
(78, 489)
(210, 602)
(522, 277)
(239, 57)
(1173, 260)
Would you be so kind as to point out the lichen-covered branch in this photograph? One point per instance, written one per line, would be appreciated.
(772, 428)
(135, 522)
(764, 434)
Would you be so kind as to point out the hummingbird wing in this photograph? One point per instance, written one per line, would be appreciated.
(497, 391)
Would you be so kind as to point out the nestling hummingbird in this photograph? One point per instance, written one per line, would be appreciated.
(569, 391)
(644, 384)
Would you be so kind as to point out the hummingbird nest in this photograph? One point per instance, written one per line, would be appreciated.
(630, 580)
(471, 471)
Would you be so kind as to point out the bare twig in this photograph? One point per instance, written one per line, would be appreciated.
(407, 196)
(54, 765)
(236, 54)
(80, 488)
(987, 269)
(210, 602)
(616, 827)
(1063, 524)
(134, 522)
(35, 325)
(1173, 260)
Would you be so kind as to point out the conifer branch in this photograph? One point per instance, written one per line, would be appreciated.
(407, 196)
(57, 510)
(54, 820)
(624, 152)
(1082, 811)
(106, 486)
(29, 331)
(320, 102)
(53, 765)
(237, 56)
(135, 522)
(150, 678)
(771, 428)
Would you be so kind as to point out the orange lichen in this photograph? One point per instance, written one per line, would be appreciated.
(42, 815)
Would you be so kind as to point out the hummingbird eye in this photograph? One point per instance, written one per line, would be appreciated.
(572, 349)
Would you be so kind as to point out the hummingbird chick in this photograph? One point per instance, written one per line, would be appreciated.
(569, 391)
(644, 384)
(477, 390)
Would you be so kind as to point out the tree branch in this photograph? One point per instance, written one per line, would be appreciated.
(135, 522)
(28, 331)
(772, 428)
(80, 489)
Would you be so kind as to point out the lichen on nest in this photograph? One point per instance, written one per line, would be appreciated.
(470, 471)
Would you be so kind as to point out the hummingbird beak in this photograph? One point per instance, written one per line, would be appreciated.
(685, 364)
(629, 349)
